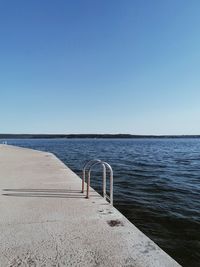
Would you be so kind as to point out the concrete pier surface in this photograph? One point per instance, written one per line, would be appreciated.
(45, 220)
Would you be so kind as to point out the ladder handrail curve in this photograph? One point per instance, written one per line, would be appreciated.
(91, 162)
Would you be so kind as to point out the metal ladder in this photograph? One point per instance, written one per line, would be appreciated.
(88, 168)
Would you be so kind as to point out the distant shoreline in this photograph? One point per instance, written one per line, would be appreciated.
(90, 136)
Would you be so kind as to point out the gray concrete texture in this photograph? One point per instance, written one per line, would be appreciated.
(46, 220)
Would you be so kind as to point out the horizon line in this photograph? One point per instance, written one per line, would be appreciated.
(4, 135)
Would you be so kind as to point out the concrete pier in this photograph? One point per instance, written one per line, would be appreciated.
(46, 221)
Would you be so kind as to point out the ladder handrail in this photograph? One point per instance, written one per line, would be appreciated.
(105, 166)
(104, 177)
(84, 170)
(111, 181)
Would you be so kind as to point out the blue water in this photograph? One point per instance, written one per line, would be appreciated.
(156, 185)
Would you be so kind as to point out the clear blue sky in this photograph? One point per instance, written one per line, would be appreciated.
(100, 66)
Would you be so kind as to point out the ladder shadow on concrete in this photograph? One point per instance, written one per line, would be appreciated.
(43, 190)
(48, 193)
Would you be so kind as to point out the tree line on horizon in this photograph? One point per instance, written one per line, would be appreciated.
(84, 136)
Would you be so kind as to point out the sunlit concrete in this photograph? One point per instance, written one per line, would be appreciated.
(46, 221)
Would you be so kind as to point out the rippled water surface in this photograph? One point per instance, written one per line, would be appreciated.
(156, 185)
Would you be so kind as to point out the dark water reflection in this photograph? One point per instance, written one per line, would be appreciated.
(156, 185)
